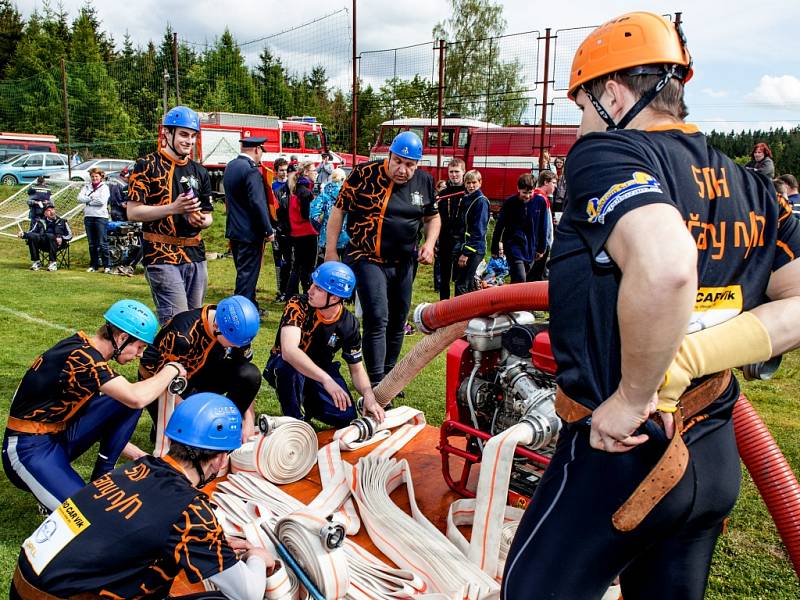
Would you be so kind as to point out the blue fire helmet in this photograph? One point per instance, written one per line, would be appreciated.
(335, 278)
(208, 421)
(134, 318)
(408, 145)
(238, 320)
(182, 116)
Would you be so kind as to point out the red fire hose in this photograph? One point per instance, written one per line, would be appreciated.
(771, 473)
(507, 298)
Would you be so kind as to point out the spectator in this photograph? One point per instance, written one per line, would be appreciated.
(496, 269)
(522, 228)
(71, 398)
(545, 188)
(118, 200)
(95, 195)
(213, 342)
(171, 195)
(780, 187)
(39, 198)
(761, 160)
(560, 195)
(792, 192)
(468, 229)
(386, 202)
(50, 233)
(282, 246)
(448, 200)
(324, 172)
(75, 160)
(247, 224)
(321, 208)
(303, 234)
(123, 551)
(313, 329)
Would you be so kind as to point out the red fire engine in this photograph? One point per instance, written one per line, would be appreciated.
(220, 133)
(501, 154)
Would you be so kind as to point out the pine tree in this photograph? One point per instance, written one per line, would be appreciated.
(11, 26)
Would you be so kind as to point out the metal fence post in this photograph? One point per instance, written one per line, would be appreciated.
(177, 76)
(442, 46)
(545, 83)
(355, 89)
(66, 116)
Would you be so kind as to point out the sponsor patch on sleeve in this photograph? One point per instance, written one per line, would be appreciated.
(597, 209)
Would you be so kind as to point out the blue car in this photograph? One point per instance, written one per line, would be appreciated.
(27, 167)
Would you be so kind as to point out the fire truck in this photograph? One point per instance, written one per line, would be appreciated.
(501, 154)
(220, 133)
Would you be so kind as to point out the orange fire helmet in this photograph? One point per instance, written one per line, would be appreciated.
(631, 40)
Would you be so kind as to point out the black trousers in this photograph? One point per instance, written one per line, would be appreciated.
(385, 294)
(538, 271)
(305, 257)
(464, 277)
(445, 259)
(247, 258)
(282, 257)
(41, 241)
(566, 546)
(518, 270)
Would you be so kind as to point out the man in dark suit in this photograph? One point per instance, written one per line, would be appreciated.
(247, 226)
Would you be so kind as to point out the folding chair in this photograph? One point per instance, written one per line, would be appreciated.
(62, 256)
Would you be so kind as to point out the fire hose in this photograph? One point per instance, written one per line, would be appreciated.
(760, 453)
(284, 452)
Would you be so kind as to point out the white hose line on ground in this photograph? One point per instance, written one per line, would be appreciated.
(406, 421)
(413, 541)
(285, 455)
(246, 497)
(166, 406)
(494, 522)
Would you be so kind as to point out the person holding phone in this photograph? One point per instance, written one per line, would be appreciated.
(171, 195)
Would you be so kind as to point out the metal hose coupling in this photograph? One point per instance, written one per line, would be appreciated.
(366, 428)
(266, 424)
(418, 318)
(332, 534)
(178, 385)
(762, 370)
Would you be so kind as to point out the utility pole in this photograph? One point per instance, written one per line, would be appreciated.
(175, 59)
(355, 89)
(66, 116)
(166, 89)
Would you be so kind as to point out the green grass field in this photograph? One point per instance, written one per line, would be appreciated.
(37, 309)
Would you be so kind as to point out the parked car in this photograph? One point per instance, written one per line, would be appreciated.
(27, 167)
(81, 171)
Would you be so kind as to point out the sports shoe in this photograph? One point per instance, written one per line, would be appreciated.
(91, 270)
(36, 266)
(53, 266)
(107, 270)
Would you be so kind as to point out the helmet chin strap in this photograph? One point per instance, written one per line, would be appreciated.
(204, 481)
(328, 302)
(171, 144)
(640, 105)
(117, 349)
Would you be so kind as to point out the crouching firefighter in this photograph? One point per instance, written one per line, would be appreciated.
(71, 398)
(313, 328)
(129, 533)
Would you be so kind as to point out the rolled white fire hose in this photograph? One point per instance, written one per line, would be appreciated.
(284, 455)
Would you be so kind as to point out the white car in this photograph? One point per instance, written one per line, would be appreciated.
(81, 171)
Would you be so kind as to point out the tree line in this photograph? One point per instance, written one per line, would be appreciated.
(115, 92)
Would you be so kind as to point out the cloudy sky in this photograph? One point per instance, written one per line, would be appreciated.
(747, 55)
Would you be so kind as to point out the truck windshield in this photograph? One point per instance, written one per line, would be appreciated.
(313, 140)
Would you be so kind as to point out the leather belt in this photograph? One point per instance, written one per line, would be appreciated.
(670, 468)
(38, 427)
(29, 592)
(170, 239)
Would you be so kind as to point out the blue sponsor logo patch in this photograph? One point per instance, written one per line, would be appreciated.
(598, 208)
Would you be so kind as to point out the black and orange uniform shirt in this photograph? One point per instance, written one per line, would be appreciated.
(188, 339)
(128, 535)
(321, 339)
(384, 218)
(742, 233)
(156, 181)
(61, 381)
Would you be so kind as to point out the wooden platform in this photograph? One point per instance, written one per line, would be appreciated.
(432, 494)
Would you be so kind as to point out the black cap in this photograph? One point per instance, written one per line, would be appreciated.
(252, 142)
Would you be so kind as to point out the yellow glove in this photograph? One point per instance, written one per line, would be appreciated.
(736, 342)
